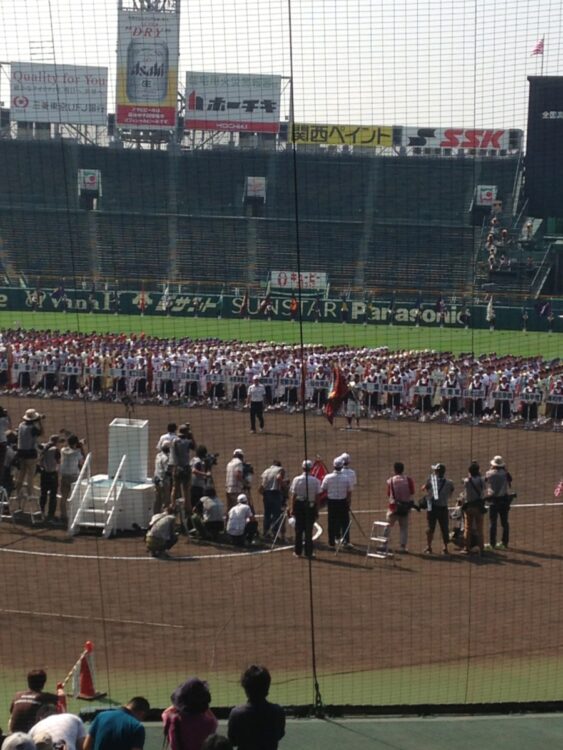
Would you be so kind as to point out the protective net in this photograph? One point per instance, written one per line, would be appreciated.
(264, 233)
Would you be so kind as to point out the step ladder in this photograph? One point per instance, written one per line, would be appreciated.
(97, 507)
(23, 509)
(378, 543)
(5, 510)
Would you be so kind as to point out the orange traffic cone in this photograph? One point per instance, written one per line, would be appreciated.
(86, 675)
(61, 699)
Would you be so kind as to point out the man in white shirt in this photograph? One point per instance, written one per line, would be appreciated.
(304, 494)
(65, 730)
(347, 471)
(234, 483)
(241, 525)
(338, 487)
(168, 436)
(255, 399)
(271, 486)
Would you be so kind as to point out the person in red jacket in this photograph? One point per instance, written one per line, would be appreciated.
(400, 491)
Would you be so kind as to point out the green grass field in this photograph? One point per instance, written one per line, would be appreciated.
(330, 334)
(519, 680)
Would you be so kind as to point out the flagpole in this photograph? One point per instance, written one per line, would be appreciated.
(543, 54)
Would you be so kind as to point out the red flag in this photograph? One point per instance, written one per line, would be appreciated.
(336, 396)
(319, 471)
(538, 49)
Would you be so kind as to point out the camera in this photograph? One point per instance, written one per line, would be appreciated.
(210, 461)
(247, 474)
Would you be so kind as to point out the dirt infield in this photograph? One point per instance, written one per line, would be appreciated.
(213, 609)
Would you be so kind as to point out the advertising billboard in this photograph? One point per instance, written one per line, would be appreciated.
(460, 137)
(372, 136)
(291, 279)
(386, 136)
(235, 102)
(544, 150)
(41, 92)
(147, 70)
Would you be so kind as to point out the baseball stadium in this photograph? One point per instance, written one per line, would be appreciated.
(281, 363)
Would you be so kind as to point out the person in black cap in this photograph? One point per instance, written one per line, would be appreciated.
(303, 495)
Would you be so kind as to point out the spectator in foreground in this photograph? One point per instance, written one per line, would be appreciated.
(257, 724)
(64, 730)
(189, 721)
(25, 704)
(18, 741)
(119, 728)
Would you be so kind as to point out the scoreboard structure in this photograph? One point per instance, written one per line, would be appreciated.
(544, 152)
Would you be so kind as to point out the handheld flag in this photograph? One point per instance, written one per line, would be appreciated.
(336, 396)
(319, 471)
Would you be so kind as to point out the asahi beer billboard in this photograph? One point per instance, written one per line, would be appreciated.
(40, 92)
(236, 102)
(147, 70)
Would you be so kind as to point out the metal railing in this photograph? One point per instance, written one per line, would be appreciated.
(85, 473)
(112, 500)
(541, 275)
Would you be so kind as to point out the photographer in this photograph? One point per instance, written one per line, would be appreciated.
(29, 430)
(439, 490)
(473, 509)
(5, 426)
(208, 520)
(162, 478)
(161, 535)
(49, 467)
(234, 482)
(271, 484)
(72, 458)
(400, 491)
(180, 463)
(498, 482)
(201, 475)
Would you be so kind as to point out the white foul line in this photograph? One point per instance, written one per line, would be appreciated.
(144, 558)
(34, 613)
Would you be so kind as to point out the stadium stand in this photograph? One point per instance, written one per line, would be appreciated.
(393, 221)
